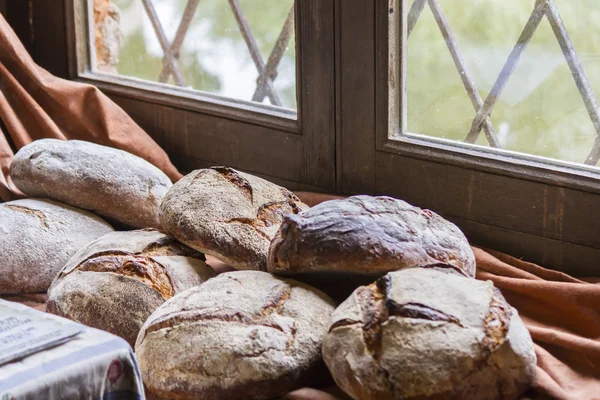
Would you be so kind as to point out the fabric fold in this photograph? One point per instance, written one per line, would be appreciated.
(35, 104)
(562, 315)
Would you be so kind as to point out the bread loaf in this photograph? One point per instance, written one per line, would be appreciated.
(108, 181)
(366, 235)
(117, 281)
(228, 214)
(37, 238)
(428, 334)
(240, 335)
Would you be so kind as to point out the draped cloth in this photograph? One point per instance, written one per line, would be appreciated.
(35, 104)
(562, 315)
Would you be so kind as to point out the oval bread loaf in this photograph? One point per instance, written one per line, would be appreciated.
(241, 335)
(429, 334)
(108, 181)
(227, 214)
(117, 281)
(37, 238)
(366, 235)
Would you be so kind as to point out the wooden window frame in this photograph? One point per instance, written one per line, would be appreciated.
(199, 129)
(540, 211)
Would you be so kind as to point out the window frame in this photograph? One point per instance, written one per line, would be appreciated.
(199, 129)
(538, 209)
(542, 212)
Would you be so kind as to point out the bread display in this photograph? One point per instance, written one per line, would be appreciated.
(429, 334)
(228, 214)
(37, 238)
(240, 335)
(108, 181)
(366, 235)
(118, 280)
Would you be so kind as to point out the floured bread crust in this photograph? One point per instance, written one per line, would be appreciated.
(241, 335)
(367, 235)
(427, 334)
(37, 238)
(117, 281)
(228, 214)
(108, 181)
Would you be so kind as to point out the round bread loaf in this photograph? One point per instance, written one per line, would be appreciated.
(366, 235)
(108, 181)
(117, 281)
(241, 335)
(228, 214)
(37, 238)
(428, 334)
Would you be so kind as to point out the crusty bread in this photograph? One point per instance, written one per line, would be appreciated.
(37, 238)
(366, 235)
(428, 334)
(241, 335)
(108, 181)
(228, 214)
(117, 281)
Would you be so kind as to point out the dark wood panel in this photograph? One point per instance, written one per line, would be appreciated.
(195, 140)
(316, 88)
(573, 259)
(244, 146)
(49, 27)
(357, 96)
(496, 200)
(17, 13)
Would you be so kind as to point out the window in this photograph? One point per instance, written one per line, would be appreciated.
(237, 49)
(218, 81)
(506, 199)
(378, 111)
(504, 75)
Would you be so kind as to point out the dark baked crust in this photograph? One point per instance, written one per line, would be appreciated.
(367, 235)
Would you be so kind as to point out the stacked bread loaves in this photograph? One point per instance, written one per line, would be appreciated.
(419, 328)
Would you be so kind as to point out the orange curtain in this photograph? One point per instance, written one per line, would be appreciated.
(34, 105)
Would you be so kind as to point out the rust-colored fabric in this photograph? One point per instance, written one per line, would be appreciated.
(563, 316)
(34, 105)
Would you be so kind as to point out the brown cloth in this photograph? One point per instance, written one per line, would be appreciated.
(34, 105)
(563, 316)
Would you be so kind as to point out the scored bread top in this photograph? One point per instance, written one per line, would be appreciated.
(424, 333)
(228, 214)
(142, 255)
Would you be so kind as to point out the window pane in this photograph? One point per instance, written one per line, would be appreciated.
(459, 50)
(241, 49)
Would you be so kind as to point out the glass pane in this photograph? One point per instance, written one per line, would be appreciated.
(241, 49)
(457, 51)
